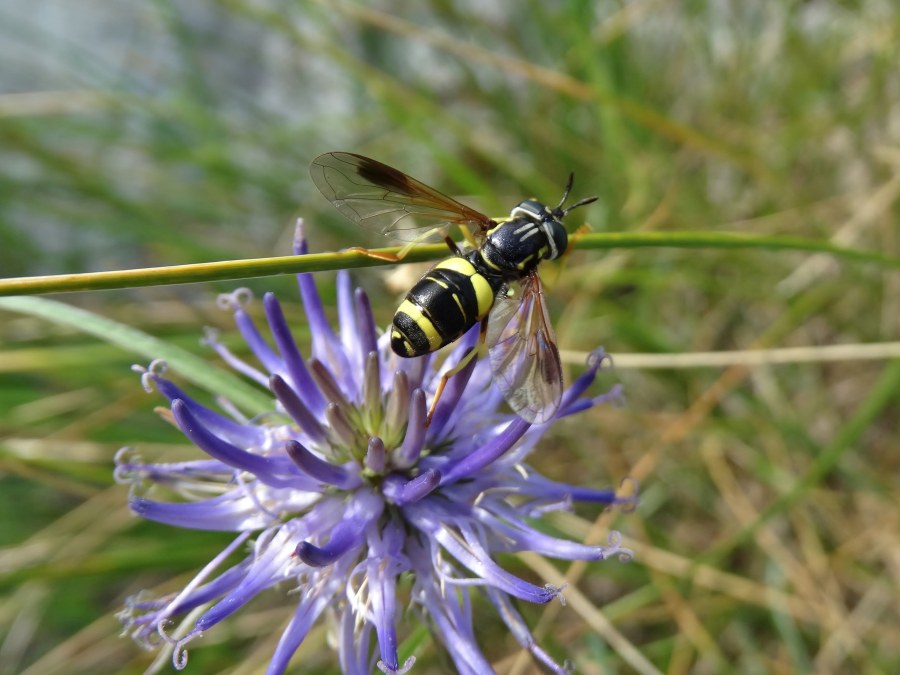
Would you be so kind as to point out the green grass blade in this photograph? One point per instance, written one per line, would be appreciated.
(188, 365)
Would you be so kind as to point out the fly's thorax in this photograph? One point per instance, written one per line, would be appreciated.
(532, 233)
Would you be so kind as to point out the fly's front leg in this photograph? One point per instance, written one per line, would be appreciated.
(381, 255)
(403, 252)
(476, 352)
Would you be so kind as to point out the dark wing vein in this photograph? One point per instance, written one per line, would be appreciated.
(383, 199)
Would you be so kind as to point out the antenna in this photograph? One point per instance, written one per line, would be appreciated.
(566, 193)
(581, 202)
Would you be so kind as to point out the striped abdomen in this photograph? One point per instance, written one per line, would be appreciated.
(451, 298)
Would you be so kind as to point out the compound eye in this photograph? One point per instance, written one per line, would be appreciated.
(559, 239)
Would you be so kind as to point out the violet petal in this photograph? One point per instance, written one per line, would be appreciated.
(401, 491)
(260, 348)
(366, 337)
(235, 432)
(262, 467)
(296, 408)
(319, 469)
(486, 454)
(452, 393)
(308, 611)
(230, 512)
(294, 364)
(407, 455)
(348, 534)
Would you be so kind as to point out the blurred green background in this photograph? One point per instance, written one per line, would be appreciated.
(768, 534)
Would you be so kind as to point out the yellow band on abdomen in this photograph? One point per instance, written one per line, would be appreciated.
(483, 292)
(422, 321)
(457, 264)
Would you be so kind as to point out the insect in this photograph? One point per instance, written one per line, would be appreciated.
(495, 283)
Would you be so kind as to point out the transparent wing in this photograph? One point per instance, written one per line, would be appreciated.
(523, 353)
(383, 199)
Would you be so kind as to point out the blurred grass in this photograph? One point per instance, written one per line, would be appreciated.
(768, 535)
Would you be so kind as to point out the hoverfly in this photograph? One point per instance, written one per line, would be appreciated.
(495, 283)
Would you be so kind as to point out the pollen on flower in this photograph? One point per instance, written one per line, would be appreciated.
(347, 493)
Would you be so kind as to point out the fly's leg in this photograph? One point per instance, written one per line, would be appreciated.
(403, 252)
(468, 236)
(381, 255)
(452, 246)
(479, 350)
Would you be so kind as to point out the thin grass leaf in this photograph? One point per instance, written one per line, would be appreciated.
(188, 365)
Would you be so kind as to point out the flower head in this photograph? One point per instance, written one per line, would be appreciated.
(347, 493)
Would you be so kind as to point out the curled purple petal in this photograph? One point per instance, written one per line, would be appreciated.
(452, 614)
(383, 603)
(594, 362)
(407, 455)
(486, 454)
(400, 492)
(326, 345)
(517, 535)
(230, 512)
(294, 364)
(319, 469)
(307, 613)
(196, 592)
(234, 432)
(376, 456)
(327, 384)
(519, 629)
(614, 396)
(299, 244)
(260, 348)
(475, 558)
(234, 600)
(262, 467)
(366, 321)
(543, 488)
(296, 408)
(371, 398)
(450, 399)
(346, 308)
(354, 645)
(348, 534)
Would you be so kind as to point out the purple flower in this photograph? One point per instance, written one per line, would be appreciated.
(345, 493)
